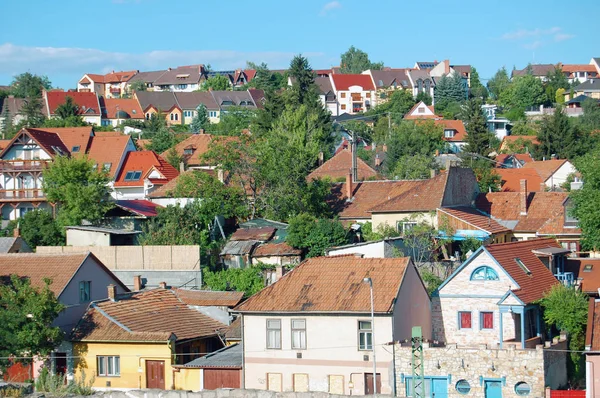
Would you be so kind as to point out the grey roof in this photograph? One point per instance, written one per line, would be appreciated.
(190, 278)
(14, 245)
(226, 357)
(386, 78)
(324, 84)
(233, 98)
(579, 99)
(11, 105)
(536, 70)
(238, 247)
(103, 230)
(416, 74)
(147, 77)
(194, 99)
(551, 250)
(163, 100)
(263, 222)
(258, 96)
(180, 75)
(589, 85)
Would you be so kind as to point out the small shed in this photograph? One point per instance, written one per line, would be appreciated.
(85, 235)
(236, 253)
(219, 369)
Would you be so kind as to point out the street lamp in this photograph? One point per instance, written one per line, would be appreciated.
(370, 282)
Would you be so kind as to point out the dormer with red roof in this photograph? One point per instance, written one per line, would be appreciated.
(142, 173)
(87, 102)
(354, 93)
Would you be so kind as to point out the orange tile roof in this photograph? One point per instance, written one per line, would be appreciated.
(592, 334)
(145, 161)
(73, 136)
(333, 284)
(458, 126)
(475, 218)
(150, 315)
(108, 149)
(521, 157)
(512, 139)
(533, 286)
(128, 105)
(511, 179)
(416, 195)
(339, 166)
(275, 249)
(4, 144)
(209, 297)
(546, 168)
(198, 144)
(590, 278)
(578, 68)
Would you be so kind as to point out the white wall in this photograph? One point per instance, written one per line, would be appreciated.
(371, 250)
(561, 175)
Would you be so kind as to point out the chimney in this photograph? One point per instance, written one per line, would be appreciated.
(446, 66)
(137, 283)
(433, 173)
(349, 187)
(321, 158)
(181, 167)
(112, 292)
(162, 285)
(377, 160)
(523, 197)
(17, 231)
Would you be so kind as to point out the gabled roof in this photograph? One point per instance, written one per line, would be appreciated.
(11, 105)
(163, 100)
(258, 234)
(180, 75)
(511, 179)
(73, 137)
(324, 84)
(546, 168)
(344, 82)
(111, 77)
(14, 245)
(532, 286)
(233, 98)
(578, 68)
(140, 207)
(387, 78)
(339, 166)
(588, 270)
(87, 102)
(275, 249)
(147, 77)
(106, 149)
(258, 96)
(475, 218)
(460, 133)
(589, 85)
(198, 145)
(421, 111)
(153, 315)
(520, 157)
(209, 298)
(60, 268)
(49, 142)
(145, 161)
(191, 101)
(333, 285)
(121, 108)
(536, 70)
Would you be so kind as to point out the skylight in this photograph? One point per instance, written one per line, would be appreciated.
(523, 266)
(588, 267)
(133, 175)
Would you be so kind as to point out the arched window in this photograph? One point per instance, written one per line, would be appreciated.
(427, 85)
(522, 389)
(420, 85)
(484, 273)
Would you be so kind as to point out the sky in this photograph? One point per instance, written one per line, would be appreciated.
(64, 39)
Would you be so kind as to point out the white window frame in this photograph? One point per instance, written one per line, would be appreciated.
(362, 330)
(85, 288)
(407, 226)
(108, 365)
(448, 133)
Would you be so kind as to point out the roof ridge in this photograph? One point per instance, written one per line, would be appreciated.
(110, 318)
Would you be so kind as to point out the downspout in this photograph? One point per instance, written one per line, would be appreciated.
(394, 351)
(243, 355)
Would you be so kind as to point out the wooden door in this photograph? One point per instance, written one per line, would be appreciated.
(369, 383)
(155, 374)
(221, 378)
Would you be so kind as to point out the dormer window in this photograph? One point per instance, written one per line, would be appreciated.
(448, 133)
(133, 176)
(75, 148)
(588, 267)
(188, 151)
(522, 266)
(484, 273)
(570, 220)
(106, 166)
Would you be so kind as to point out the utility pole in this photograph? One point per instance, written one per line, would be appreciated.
(418, 381)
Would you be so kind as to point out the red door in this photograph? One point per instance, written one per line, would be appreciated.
(155, 374)
(221, 378)
(369, 383)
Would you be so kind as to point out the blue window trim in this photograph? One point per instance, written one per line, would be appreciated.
(487, 268)
(458, 320)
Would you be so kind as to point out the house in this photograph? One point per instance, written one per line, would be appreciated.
(142, 173)
(217, 370)
(555, 173)
(589, 88)
(403, 203)
(286, 349)
(339, 167)
(24, 158)
(541, 71)
(586, 274)
(87, 103)
(498, 125)
(387, 81)
(512, 161)
(592, 349)
(176, 107)
(10, 111)
(574, 106)
(465, 222)
(579, 72)
(164, 195)
(241, 99)
(327, 94)
(115, 111)
(516, 143)
(88, 235)
(133, 340)
(237, 252)
(77, 279)
(533, 214)
(421, 82)
(14, 245)
(488, 327)
(110, 85)
(354, 93)
(147, 77)
(189, 103)
(194, 147)
(455, 134)
(384, 248)
(181, 79)
(421, 111)
(510, 179)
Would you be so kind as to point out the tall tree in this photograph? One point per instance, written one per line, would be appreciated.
(303, 79)
(27, 85)
(560, 137)
(67, 109)
(478, 136)
(162, 140)
(356, 61)
(315, 235)
(200, 121)
(477, 90)
(523, 92)
(410, 139)
(555, 80)
(217, 82)
(590, 120)
(586, 201)
(448, 90)
(499, 83)
(39, 228)
(137, 86)
(80, 191)
(32, 112)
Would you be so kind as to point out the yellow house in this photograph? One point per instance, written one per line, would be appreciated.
(135, 340)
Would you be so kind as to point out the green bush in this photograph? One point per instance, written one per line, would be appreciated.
(248, 280)
(56, 384)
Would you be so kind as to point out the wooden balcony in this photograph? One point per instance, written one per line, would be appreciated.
(7, 166)
(22, 195)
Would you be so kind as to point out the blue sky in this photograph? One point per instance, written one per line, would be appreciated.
(66, 38)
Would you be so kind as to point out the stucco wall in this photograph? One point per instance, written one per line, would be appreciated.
(76, 237)
(380, 219)
(413, 307)
(592, 375)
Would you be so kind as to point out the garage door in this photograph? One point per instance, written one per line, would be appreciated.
(221, 378)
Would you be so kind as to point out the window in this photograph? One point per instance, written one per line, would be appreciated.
(188, 151)
(75, 148)
(464, 320)
(409, 385)
(187, 113)
(421, 109)
(298, 334)
(406, 226)
(106, 166)
(106, 123)
(484, 273)
(84, 291)
(365, 335)
(486, 320)
(182, 86)
(342, 95)
(212, 114)
(522, 265)
(357, 107)
(148, 116)
(343, 106)
(274, 334)
(463, 387)
(109, 365)
(133, 175)
(448, 133)
(522, 388)
(174, 116)
(588, 267)
(368, 95)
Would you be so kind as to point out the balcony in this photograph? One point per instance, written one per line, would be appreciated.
(566, 278)
(7, 166)
(115, 90)
(22, 195)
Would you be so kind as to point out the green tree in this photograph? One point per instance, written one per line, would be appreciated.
(398, 105)
(477, 90)
(67, 109)
(248, 280)
(567, 309)
(137, 86)
(26, 320)
(356, 61)
(448, 89)
(264, 79)
(232, 122)
(28, 85)
(217, 83)
(80, 191)
(71, 121)
(555, 80)
(523, 92)
(315, 235)
(410, 139)
(162, 140)
(425, 97)
(32, 112)
(487, 178)
(382, 231)
(586, 201)
(561, 137)
(499, 83)
(478, 135)
(200, 121)
(413, 167)
(590, 120)
(174, 158)
(303, 80)
(431, 280)
(176, 225)
(38, 228)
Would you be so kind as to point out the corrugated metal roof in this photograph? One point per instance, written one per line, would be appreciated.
(237, 247)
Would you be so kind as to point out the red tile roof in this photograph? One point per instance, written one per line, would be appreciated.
(546, 168)
(531, 286)
(262, 234)
(521, 157)
(592, 333)
(198, 145)
(140, 207)
(87, 102)
(460, 133)
(146, 162)
(275, 249)
(339, 166)
(112, 77)
(109, 148)
(344, 82)
(578, 68)
(475, 218)
(73, 137)
(153, 315)
(50, 142)
(588, 269)
(209, 297)
(511, 179)
(333, 285)
(128, 105)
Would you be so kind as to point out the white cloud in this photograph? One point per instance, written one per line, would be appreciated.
(534, 45)
(538, 36)
(67, 60)
(525, 33)
(332, 5)
(563, 36)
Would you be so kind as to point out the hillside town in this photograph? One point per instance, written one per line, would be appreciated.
(364, 229)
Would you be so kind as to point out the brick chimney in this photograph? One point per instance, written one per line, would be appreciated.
(349, 187)
(112, 292)
(162, 285)
(137, 283)
(523, 197)
(446, 66)
(377, 160)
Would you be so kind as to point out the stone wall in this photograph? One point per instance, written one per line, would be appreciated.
(537, 367)
(221, 393)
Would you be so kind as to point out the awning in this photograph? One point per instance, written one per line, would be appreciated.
(462, 234)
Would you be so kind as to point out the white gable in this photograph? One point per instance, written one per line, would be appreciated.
(421, 109)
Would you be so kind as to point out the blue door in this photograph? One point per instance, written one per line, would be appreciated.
(493, 389)
(439, 388)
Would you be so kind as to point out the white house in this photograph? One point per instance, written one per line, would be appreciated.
(354, 93)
